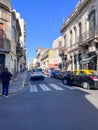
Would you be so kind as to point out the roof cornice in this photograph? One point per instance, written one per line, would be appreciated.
(79, 7)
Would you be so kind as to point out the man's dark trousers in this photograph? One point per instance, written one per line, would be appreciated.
(5, 87)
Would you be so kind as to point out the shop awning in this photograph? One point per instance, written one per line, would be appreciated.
(52, 65)
(87, 60)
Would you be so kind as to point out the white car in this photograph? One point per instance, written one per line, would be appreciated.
(37, 73)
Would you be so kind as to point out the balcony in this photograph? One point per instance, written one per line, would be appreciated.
(62, 51)
(5, 45)
(19, 50)
(88, 36)
(5, 4)
(44, 55)
(73, 47)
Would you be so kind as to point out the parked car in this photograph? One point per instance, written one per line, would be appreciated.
(54, 73)
(82, 80)
(37, 73)
(61, 74)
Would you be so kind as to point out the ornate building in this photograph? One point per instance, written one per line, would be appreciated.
(80, 33)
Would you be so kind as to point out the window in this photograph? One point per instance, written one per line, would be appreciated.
(91, 18)
(70, 37)
(82, 73)
(60, 44)
(75, 30)
(14, 34)
(1, 30)
(1, 36)
(37, 70)
(65, 41)
(80, 29)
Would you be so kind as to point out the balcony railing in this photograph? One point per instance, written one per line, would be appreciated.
(88, 35)
(62, 51)
(5, 45)
(19, 50)
(73, 46)
(85, 37)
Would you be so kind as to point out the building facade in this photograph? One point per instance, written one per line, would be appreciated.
(6, 50)
(10, 33)
(40, 56)
(21, 48)
(80, 33)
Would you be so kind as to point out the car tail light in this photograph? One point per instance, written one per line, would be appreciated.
(94, 77)
(32, 72)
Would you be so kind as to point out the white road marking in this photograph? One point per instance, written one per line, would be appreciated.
(66, 86)
(33, 88)
(56, 87)
(44, 87)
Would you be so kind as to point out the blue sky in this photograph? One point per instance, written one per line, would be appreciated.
(44, 19)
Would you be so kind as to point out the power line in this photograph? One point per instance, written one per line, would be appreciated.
(55, 13)
(54, 16)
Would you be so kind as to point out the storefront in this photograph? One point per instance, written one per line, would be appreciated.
(52, 65)
(89, 63)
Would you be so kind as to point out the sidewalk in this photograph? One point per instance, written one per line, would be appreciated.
(17, 83)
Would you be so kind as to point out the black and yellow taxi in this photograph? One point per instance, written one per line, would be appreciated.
(87, 81)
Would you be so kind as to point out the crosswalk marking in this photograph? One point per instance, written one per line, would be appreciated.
(66, 86)
(50, 87)
(33, 88)
(56, 87)
(44, 87)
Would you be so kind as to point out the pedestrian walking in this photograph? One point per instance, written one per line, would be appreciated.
(6, 76)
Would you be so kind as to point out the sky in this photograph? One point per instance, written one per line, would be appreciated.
(44, 19)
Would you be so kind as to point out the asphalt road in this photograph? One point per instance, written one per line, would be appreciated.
(48, 105)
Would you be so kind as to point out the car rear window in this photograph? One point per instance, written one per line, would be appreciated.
(37, 70)
(95, 73)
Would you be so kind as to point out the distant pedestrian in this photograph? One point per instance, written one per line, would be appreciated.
(6, 76)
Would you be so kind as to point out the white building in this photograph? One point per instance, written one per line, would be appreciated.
(22, 61)
(80, 33)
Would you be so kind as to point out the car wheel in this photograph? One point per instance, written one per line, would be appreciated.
(85, 85)
(65, 82)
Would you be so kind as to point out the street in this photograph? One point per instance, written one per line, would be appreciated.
(49, 105)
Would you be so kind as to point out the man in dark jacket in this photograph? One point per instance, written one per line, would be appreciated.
(5, 78)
